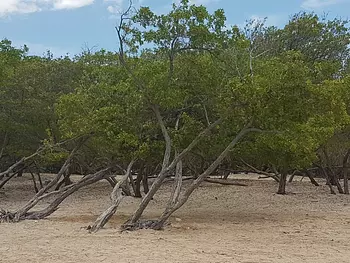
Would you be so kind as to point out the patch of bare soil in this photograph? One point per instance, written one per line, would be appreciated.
(219, 224)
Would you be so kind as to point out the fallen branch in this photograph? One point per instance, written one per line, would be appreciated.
(269, 175)
(223, 182)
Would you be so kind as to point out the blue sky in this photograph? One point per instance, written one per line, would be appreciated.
(66, 26)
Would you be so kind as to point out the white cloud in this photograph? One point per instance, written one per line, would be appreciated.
(118, 6)
(30, 6)
(114, 6)
(317, 4)
(71, 4)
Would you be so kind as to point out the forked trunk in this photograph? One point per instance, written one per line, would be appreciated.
(165, 172)
(194, 185)
(116, 197)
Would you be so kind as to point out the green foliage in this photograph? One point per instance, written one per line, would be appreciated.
(290, 83)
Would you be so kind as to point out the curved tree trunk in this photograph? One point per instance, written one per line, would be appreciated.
(116, 197)
(31, 203)
(64, 193)
(183, 199)
(165, 172)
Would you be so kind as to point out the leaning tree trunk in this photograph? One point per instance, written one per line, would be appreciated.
(346, 172)
(328, 180)
(61, 194)
(33, 202)
(65, 192)
(172, 207)
(282, 183)
(116, 197)
(312, 179)
(165, 172)
(334, 176)
(19, 214)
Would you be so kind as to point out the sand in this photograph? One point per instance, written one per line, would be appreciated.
(218, 224)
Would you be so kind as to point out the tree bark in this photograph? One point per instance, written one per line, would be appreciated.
(183, 199)
(282, 183)
(291, 178)
(3, 146)
(312, 179)
(328, 180)
(63, 193)
(138, 184)
(164, 173)
(166, 136)
(223, 182)
(334, 176)
(145, 183)
(116, 197)
(31, 203)
(269, 175)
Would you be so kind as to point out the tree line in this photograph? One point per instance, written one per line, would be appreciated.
(185, 95)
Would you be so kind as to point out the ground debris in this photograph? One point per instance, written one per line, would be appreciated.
(145, 224)
(6, 216)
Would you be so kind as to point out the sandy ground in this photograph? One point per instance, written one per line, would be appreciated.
(219, 224)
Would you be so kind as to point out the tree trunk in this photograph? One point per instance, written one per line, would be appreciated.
(334, 176)
(224, 182)
(65, 181)
(183, 199)
(34, 183)
(282, 183)
(336, 180)
(111, 181)
(63, 193)
(138, 184)
(145, 183)
(3, 146)
(291, 178)
(346, 172)
(116, 197)
(31, 203)
(132, 183)
(164, 173)
(268, 175)
(312, 179)
(328, 180)
(166, 136)
(7, 179)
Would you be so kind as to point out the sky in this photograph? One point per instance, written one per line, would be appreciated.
(69, 26)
